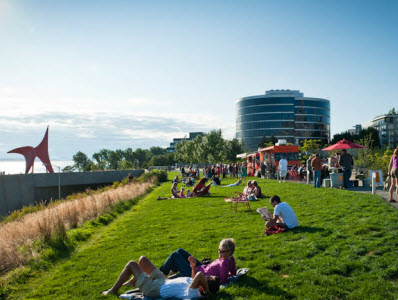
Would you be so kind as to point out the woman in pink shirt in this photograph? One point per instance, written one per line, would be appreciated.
(393, 171)
(223, 267)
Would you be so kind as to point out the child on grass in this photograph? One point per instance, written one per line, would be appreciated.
(182, 195)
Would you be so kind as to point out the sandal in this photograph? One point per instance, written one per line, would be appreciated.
(392, 200)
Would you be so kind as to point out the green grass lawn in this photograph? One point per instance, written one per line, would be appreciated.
(345, 247)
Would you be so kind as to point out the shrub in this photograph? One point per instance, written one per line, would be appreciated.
(148, 176)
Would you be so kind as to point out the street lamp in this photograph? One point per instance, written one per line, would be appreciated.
(59, 178)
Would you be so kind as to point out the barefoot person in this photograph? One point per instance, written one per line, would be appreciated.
(153, 283)
(223, 267)
(284, 215)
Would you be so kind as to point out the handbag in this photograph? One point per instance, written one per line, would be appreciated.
(387, 184)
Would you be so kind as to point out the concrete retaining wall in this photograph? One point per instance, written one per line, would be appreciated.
(27, 189)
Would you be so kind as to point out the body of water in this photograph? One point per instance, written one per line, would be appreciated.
(18, 167)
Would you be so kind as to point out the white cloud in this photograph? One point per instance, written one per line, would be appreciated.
(92, 124)
(72, 132)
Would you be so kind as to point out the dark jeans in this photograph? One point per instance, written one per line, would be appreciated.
(317, 179)
(178, 262)
(346, 177)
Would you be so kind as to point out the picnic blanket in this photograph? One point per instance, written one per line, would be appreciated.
(275, 229)
(137, 294)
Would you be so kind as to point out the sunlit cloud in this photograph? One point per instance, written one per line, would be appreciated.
(88, 125)
(72, 132)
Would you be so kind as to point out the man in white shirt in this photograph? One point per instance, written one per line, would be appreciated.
(282, 169)
(282, 213)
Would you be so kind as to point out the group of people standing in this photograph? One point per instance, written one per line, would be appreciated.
(232, 170)
(319, 171)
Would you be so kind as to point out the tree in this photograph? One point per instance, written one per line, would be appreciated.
(211, 149)
(170, 159)
(81, 160)
(68, 169)
(392, 111)
(263, 141)
(157, 151)
(184, 152)
(141, 155)
(232, 148)
(197, 153)
(273, 140)
(129, 155)
(124, 165)
(102, 158)
(114, 158)
(345, 135)
(159, 160)
(372, 133)
(310, 146)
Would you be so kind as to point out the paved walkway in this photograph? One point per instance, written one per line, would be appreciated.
(379, 191)
(361, 189)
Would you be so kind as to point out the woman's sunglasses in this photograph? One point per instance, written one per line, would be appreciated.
(222, 251)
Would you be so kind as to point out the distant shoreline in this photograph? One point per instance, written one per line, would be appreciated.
(10, 166)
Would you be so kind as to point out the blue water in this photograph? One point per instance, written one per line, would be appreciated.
(18, 167)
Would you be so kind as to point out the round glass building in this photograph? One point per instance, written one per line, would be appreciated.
(285, 114)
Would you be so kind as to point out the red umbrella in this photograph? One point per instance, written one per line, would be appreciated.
(343, 144)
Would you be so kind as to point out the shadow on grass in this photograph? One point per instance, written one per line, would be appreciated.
(307, 229)
(251, 283)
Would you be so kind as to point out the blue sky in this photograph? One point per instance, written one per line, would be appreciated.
(118, 74)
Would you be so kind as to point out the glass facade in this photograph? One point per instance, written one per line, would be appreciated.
(284, 114)
(387, 126)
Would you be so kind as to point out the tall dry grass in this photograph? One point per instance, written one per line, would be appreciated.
(17, 237)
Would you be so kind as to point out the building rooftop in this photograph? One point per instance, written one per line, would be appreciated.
(294, 93)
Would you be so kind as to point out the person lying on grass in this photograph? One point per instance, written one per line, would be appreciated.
(284, 215)
(223, 267)
(153, 283)
(233, 184)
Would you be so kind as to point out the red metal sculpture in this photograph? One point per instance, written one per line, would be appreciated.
(30, 153)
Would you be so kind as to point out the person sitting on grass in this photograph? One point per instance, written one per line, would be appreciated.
(189, 194)
(216, 179)
(176, 179)
(182, 195)
(249, 192)
(257, 189)
(174, 191)
(153, 283)
(284, 215)
(190, 181)
(248, 189)
(223, 267)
